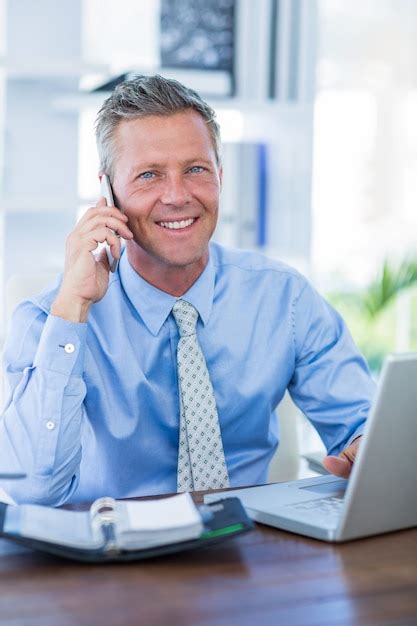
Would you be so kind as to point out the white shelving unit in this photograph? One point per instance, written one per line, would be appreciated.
(38, 194)
(39, 198)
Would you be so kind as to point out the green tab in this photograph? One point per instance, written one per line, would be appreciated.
(227, 530)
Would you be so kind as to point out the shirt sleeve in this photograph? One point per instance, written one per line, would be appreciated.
(331, 383)
(40, 429)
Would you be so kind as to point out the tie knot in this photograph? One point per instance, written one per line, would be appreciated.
(186, 317)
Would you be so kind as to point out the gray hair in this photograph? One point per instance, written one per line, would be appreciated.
(142, 96)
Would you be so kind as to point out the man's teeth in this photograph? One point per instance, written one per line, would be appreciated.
(177, 225)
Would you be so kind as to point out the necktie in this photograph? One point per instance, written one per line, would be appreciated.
(201, 462)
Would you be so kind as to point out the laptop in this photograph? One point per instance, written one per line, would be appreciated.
(381, 493)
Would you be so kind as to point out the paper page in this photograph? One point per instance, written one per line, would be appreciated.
(67, 528)
(167, 513)
(5, 498)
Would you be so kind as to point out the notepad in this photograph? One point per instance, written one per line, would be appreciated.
(123, 530)
(119, 524)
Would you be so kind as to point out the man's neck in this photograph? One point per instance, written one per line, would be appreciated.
(173, 280)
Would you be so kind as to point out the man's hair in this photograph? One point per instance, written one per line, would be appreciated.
(142, 96)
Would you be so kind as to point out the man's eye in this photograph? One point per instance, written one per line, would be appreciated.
(196, 169)
(146, 175)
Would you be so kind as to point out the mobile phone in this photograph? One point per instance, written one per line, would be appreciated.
(106, 191)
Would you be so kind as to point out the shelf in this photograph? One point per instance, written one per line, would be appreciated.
(51, 69)
(81, 101)
(38, 204)
(240, 120)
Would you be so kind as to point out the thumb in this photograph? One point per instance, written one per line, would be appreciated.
(342, 465)
(338, 466)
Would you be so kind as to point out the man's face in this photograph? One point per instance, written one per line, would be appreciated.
(167, 181)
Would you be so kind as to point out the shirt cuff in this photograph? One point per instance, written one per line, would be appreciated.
(358, 433)
(62, 346)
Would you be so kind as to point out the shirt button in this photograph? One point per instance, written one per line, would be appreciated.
(69, 348)
(50, 425)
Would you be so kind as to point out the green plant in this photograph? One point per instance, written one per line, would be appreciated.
(391, 281)
(371, 314)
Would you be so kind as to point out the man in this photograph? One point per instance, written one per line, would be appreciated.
(165, 375)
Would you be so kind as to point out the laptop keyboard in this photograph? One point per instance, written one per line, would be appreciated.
(329, 507)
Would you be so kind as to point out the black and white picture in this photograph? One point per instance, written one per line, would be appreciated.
(197, 34)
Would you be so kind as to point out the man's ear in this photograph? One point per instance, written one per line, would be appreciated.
(221, 176)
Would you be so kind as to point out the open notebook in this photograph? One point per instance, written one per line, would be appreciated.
(123, 530)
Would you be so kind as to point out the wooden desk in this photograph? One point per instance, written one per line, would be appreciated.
(265, 577)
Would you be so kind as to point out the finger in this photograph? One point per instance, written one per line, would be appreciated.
(351, 451)
(101, 202)
(103, 210)
(103, 259)
(90, 240)
(77, 243)
(116, 248)
(101, 254)
(338, 466)
(114, 211)
(107, 221)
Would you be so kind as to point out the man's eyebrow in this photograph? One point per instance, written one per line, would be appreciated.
(197, 160)
(144, 167)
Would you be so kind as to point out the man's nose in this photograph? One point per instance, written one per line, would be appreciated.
(175, 191)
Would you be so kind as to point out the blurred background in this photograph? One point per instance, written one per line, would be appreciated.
(317, 102)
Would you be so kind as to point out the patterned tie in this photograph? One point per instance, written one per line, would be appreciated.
(201, 462)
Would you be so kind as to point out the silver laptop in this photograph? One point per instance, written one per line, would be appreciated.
(381, 494)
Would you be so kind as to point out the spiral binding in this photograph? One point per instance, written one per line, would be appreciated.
(103, 518)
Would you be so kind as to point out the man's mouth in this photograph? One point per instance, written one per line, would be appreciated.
(177, 224)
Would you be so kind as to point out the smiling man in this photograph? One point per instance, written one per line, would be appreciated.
(167, 180)
(166, 375)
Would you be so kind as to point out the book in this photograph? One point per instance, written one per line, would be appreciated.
(118, 530)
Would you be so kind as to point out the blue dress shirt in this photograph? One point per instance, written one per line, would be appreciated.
(93, 409)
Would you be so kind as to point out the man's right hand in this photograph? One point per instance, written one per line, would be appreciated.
(86, 277)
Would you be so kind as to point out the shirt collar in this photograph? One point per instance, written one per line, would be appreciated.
(154, 305)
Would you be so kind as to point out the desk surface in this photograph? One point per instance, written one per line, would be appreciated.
(264, 577)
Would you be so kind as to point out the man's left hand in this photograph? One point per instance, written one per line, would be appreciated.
(342, 465)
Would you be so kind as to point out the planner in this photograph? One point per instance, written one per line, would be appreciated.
(123, 530)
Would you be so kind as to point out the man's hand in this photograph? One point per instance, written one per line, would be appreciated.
(86, 277)
(342, 465)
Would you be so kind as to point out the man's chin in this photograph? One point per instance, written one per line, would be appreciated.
(174, 258)
(183, 262)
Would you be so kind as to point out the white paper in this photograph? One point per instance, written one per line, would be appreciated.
(65, 528)
(167, 513)
(5, 498)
